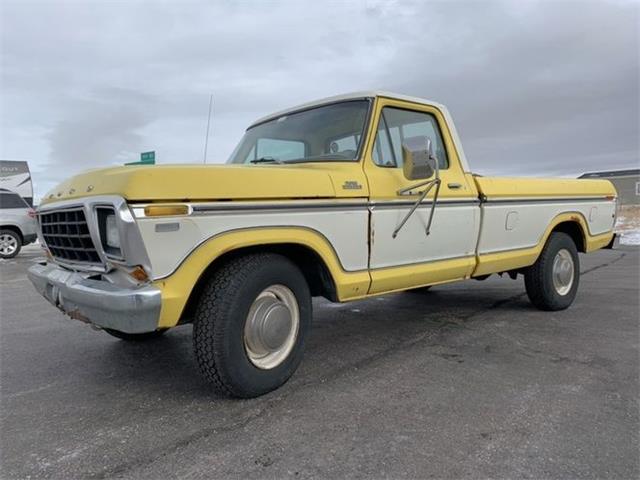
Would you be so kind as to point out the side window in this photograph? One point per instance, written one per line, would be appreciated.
(396, 125)
(383, 154)
(277, 149)
(12, 200)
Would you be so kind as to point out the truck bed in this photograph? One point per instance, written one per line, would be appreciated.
(493, 188)
(516, 215)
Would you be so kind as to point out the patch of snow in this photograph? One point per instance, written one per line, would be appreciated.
(628, 225)
(630, 237)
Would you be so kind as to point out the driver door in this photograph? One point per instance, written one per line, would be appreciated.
(412, 258)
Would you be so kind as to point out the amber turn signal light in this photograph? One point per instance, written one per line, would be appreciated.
(139, 274)
(165, 210)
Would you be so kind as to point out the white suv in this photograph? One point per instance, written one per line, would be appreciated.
(18, 224)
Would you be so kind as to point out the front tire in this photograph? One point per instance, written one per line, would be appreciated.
(251, 323)
(552, 282)
(10, 244)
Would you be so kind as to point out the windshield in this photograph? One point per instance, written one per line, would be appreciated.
(322, 134)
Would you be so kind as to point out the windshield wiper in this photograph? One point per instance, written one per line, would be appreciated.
(265, 160)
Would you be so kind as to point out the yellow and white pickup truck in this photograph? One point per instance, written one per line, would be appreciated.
(345, 198)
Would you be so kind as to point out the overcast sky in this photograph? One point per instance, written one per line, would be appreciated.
(536, 88)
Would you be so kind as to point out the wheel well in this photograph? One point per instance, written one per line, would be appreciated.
(14, 229)
(311, 265)
(574, 230)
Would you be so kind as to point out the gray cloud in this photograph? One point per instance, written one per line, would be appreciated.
(536, 87)
(100, 130)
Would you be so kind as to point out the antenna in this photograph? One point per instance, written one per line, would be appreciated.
(206, 138)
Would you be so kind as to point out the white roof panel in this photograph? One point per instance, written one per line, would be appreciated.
(343, 97)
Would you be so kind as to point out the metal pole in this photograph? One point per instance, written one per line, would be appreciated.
(206, 139)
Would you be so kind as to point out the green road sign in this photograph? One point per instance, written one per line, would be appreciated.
(146, 158)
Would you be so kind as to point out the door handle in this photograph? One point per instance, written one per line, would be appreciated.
(454, 186)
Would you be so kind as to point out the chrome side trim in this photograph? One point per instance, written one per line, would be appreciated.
(204, 208)
(543, 200)
(305, 206)
(302, 205)
(391, 204)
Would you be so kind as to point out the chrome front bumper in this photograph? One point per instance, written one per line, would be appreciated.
(98, 302)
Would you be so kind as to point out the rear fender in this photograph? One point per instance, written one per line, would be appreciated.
(513, 259)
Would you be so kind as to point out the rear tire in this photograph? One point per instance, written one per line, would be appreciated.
(552, 282)
(251, 323)
(135, 337)
(10, 243)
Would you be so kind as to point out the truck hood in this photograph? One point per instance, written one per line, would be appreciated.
(205, 182)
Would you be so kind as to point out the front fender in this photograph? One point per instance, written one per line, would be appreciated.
(176, 288)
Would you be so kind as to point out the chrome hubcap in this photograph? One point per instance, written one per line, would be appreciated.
(8, 244)
(563, 272)
(271, 329)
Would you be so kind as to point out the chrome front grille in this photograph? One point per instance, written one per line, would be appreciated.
(67, 236)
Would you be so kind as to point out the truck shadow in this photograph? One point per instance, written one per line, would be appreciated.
(343, 335)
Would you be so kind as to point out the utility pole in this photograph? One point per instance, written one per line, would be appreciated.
(206, 138)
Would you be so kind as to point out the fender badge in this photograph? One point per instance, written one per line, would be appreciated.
(351, 185)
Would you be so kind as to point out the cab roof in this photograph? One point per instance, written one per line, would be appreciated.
(348, 96)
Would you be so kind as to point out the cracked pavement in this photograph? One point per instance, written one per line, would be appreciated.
(465, 381)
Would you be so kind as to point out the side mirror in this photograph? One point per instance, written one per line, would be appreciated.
(418, 159)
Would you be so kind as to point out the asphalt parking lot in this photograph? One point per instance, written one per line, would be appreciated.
(465, 381)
